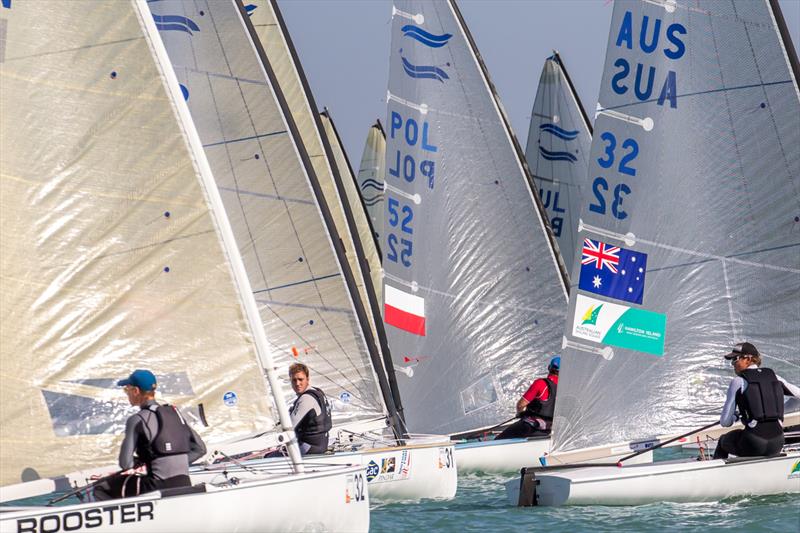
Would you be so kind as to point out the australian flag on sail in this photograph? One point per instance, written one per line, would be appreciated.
(612, 271)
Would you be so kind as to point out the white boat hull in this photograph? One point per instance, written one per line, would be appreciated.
(499, 456)
(339, 502)
(672, 481)
(398, 473)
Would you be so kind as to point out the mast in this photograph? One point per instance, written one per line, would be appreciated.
(226, 232)
(786, 38)
(355, 180)
(323, 206)
(559, 263)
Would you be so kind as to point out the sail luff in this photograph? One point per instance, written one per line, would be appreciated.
(381, 358)
(786, 42)
(370, 177)
(587, 123)
(214, 199)
(521, 161)
(373, 302)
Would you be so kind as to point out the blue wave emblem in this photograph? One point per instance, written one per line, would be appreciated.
(375, 184)
(175, 23)
(184, 91)
(249, 8)
(557, 156)
(558, 132)
(428, 39)
(424, 72)
(7, 4)
(375, 200)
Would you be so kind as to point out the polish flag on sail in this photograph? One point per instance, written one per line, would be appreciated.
(403, 310)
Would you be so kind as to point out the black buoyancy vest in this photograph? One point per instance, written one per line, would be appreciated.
(762, 400)
(172, 438)
(544, 408)
(319, 424)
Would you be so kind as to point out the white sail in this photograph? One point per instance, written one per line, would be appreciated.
(474, 294)
(111, 259)
(559, 139)
(371, 172)
(694, 163)
(258, 163)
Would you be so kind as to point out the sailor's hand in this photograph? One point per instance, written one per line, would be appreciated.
(519, 414)
(141, 469)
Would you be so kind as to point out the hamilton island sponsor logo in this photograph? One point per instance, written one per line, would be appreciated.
(96, 517)
(619, 325)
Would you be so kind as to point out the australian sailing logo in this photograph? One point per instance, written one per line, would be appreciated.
(795, 472)
(422, 36)
(175, 23)
(591, 314)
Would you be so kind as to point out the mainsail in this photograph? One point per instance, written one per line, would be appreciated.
(111, 259)
(559, 139)
(262, 170)
(366, 234)
(693, 165)
(474, 296)
(370, 177)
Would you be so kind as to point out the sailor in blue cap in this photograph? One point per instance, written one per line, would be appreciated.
(158, 437)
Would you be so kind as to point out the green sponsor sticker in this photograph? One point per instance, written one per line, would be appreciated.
(640, 330)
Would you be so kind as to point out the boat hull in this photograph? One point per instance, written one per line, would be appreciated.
(398, 473)
(673, 481)
(340, 503)
(499, 456)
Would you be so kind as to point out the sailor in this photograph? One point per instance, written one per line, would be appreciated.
(311, 412)
(535, 408)
(158, 437)
(758, 394)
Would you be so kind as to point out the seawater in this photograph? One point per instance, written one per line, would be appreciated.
(481, 505)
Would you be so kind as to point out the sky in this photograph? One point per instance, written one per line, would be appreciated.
(343, 46)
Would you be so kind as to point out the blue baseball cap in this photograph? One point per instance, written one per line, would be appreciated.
(555, 362)
(144, 379)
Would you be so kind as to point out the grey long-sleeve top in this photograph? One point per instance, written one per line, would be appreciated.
(145, 423)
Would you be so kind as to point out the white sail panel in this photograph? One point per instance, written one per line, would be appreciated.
(110, 259)
(365, 232)
(463, 232)
(370, 177)
(305, 305)
(559, 139)
(697, 161)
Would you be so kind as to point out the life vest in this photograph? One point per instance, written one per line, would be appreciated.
(544, 408)
(173, 437)
(315, 425)
(762, 400)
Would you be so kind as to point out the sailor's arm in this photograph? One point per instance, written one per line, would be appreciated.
(305, 404)
(728, 416)
(522, 404)
(788, 388)
(126, 459)
(197, 447)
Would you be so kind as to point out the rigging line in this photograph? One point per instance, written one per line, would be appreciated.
(499, 306)
(218, 75)
(710, 91)
(249, 138)
(295, 283)
(76, 49)
(267, 196)
(289, 216)
(724, 258)
(327, 309)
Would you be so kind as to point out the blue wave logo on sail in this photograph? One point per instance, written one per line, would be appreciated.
(249, 8)
(422, 36)
(374, 200)
(559, 132)
(175, 23)
(557, 156)
(370, 182)
(7, 4)
(424, 72)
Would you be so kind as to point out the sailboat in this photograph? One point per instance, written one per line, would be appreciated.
(313, 287)
(693, 176)
(559, 139)
(116, 253)
(474, 291)
(371, 172)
